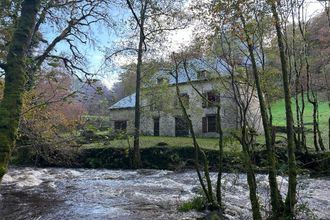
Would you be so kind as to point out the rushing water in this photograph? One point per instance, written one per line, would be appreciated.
(53, 193)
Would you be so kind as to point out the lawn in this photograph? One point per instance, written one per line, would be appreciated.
(278, 110)
(151, 141)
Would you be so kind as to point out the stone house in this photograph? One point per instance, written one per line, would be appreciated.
(161, 114)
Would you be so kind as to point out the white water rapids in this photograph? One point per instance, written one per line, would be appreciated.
(54, 193)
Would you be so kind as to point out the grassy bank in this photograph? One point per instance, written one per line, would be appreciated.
(278, 110)
(151, 141)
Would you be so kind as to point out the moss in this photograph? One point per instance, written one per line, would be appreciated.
(3, 171)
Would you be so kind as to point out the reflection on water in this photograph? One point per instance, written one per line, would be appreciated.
(52, 193)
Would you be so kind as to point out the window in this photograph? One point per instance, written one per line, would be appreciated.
(185, 99)
(209, 123)
(202, 74)
(212, 99)
(120, 125)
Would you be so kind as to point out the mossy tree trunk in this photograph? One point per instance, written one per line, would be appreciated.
(250, 175)
(15, 80)
(276, 199)
(291, 194)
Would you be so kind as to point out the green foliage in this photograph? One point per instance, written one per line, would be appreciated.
(197, 203)
(90, 127)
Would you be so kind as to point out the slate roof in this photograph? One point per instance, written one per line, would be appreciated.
(193, 66)
(127, 102)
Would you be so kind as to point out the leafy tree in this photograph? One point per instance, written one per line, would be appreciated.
(21, 61)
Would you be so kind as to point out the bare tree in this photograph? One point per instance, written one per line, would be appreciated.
(152, 19)
(291, 194)
(215, 202)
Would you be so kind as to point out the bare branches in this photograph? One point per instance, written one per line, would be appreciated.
(130, 6)
(63, 35)
(50, 100)
(120, 51)
(82, 14)
(71, 66)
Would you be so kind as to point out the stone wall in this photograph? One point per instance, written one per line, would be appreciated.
(165, 100)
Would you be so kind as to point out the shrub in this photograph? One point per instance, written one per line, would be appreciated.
(197, 203)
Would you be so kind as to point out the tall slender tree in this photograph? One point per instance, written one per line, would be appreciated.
(291, 194)
(152, 19)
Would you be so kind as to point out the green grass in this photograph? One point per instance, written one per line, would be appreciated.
(151, 141)
(278, 111)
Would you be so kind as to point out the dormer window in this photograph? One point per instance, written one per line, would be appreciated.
(202, 74)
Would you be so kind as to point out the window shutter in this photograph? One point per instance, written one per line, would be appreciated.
(204, 124)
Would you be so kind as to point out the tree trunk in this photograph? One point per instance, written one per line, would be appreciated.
(303, 133)
(251, 179)
(220, 169)
(15, 80)
(276, 199)
(299, 126)
(136, 159)
(291, 195)
(319, 135)
(316, 143)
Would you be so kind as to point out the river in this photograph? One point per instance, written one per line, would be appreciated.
(55, 193)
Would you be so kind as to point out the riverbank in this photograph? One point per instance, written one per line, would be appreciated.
(167, 158)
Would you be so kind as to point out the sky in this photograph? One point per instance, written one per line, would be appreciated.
(106, 38)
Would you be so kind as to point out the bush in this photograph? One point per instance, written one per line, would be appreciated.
(197, 203)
